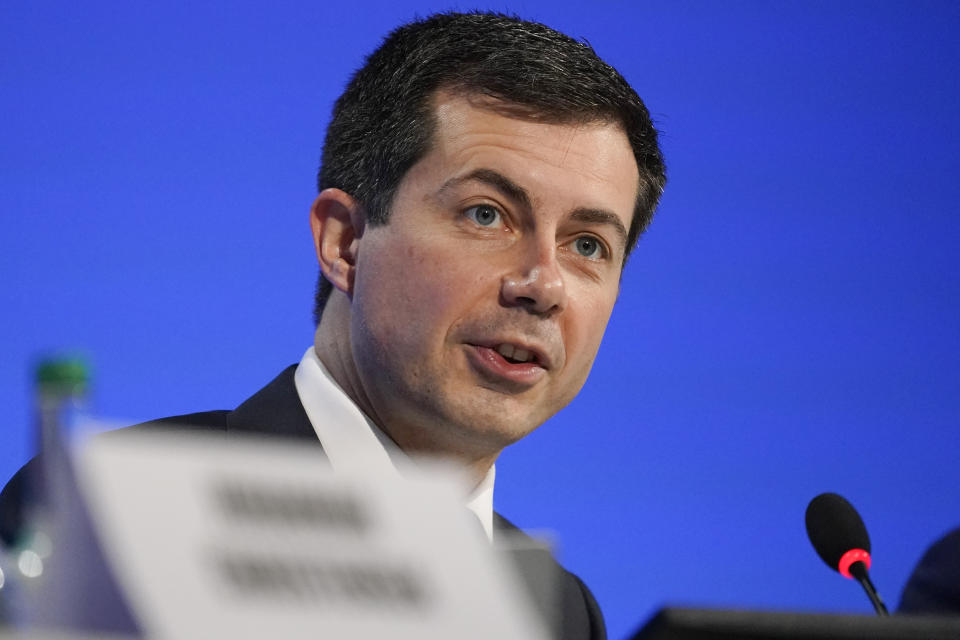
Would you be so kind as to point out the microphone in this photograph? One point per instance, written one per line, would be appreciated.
(840, 538)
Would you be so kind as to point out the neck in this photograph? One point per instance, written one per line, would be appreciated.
(332, 345)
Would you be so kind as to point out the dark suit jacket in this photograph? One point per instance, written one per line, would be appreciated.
(276, 410)
(934, 586)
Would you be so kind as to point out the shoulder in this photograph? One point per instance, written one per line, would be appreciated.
(579, 616)
(200, 421)
(273, 410)
(14, 492)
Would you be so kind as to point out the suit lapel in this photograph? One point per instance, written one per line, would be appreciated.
(275, 410)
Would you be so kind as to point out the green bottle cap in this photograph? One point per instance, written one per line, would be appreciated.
(69, 373)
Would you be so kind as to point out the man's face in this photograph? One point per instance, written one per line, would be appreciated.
(477, 311)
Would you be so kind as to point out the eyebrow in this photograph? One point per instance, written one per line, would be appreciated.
(497, 180)
(518, 194)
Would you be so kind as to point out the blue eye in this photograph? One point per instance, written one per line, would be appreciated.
(484, 215)
(588, 247)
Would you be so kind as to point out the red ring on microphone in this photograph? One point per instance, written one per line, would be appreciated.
(847, 559)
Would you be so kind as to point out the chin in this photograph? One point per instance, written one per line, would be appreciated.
(495, 429)
(478, 420)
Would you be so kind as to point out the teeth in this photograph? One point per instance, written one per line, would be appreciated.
(513, 353)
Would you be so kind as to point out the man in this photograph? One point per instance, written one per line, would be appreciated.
(483, 181)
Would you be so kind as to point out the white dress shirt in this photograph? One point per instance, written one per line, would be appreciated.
(350, 438)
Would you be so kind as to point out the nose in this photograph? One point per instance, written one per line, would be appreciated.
(537, 283)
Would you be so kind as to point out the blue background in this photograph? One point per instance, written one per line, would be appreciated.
(790, 324)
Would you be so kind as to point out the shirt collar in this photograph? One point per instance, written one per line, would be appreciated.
(350, 438)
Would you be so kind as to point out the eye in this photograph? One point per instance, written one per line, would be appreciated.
(589, 247)
(484, 215)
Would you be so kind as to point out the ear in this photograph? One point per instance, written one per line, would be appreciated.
(337, 222)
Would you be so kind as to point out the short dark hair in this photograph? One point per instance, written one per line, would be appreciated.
(383, 122)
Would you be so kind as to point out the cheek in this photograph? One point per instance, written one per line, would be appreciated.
(585, 329)
(413, 293)
(428, 282)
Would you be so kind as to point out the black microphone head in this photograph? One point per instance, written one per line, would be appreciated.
(834, 528)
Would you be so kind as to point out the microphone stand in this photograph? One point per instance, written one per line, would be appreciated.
(859, 571)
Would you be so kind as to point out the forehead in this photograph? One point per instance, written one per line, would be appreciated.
(579, 164)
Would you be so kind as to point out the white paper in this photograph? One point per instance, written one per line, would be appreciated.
(220, 537)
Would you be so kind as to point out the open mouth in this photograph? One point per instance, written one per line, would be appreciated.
(516, 355)
(508, 366)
